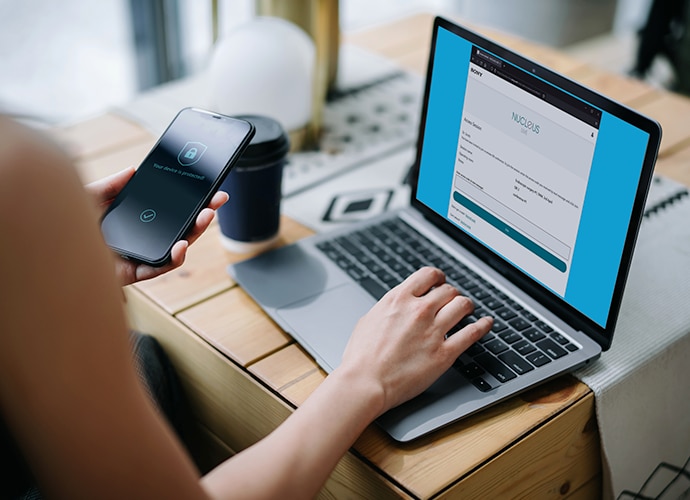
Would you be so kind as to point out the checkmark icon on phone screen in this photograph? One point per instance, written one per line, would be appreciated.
(147, 215)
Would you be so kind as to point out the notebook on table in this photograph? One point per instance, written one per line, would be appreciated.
(528, 192)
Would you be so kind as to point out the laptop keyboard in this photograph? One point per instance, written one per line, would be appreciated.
(381, 256)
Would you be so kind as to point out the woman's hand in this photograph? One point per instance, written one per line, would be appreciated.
(397, 350)
(400, 345)
(104, 191)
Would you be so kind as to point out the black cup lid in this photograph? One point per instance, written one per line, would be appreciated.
(269, 144)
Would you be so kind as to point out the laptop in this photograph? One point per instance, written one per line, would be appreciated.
(528, 191)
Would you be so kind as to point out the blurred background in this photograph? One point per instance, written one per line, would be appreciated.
(64, 61)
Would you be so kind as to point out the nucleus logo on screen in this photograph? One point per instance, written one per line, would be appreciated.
(525, 122)
(191, 153)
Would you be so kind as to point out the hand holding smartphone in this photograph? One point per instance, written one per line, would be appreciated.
(176, 180)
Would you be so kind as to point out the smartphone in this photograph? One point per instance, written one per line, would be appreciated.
(173, 184)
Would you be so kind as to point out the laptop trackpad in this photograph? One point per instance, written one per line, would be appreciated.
(324, 327)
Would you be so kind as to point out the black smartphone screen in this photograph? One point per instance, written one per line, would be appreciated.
(173, 184)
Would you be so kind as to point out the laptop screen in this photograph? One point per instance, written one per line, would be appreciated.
(527, 167)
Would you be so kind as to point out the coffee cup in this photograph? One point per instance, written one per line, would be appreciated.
(250, 220)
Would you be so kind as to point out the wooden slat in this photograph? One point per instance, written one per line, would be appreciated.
(96, 167)
(285, 368)
(627, 90)
(395, 38)
(592, 490)
(236, 326)
(201, 276)
(415, 61)
(207, 449)
(104, 133)
(204, 273)
(407, 40)
(677, 165)
(563, 455)
(673, 112)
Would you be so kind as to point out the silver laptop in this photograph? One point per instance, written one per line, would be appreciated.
(528, 191)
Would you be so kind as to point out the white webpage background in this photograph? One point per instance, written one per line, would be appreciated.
(534, 182)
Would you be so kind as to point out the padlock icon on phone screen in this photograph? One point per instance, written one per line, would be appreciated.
(191, 153)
